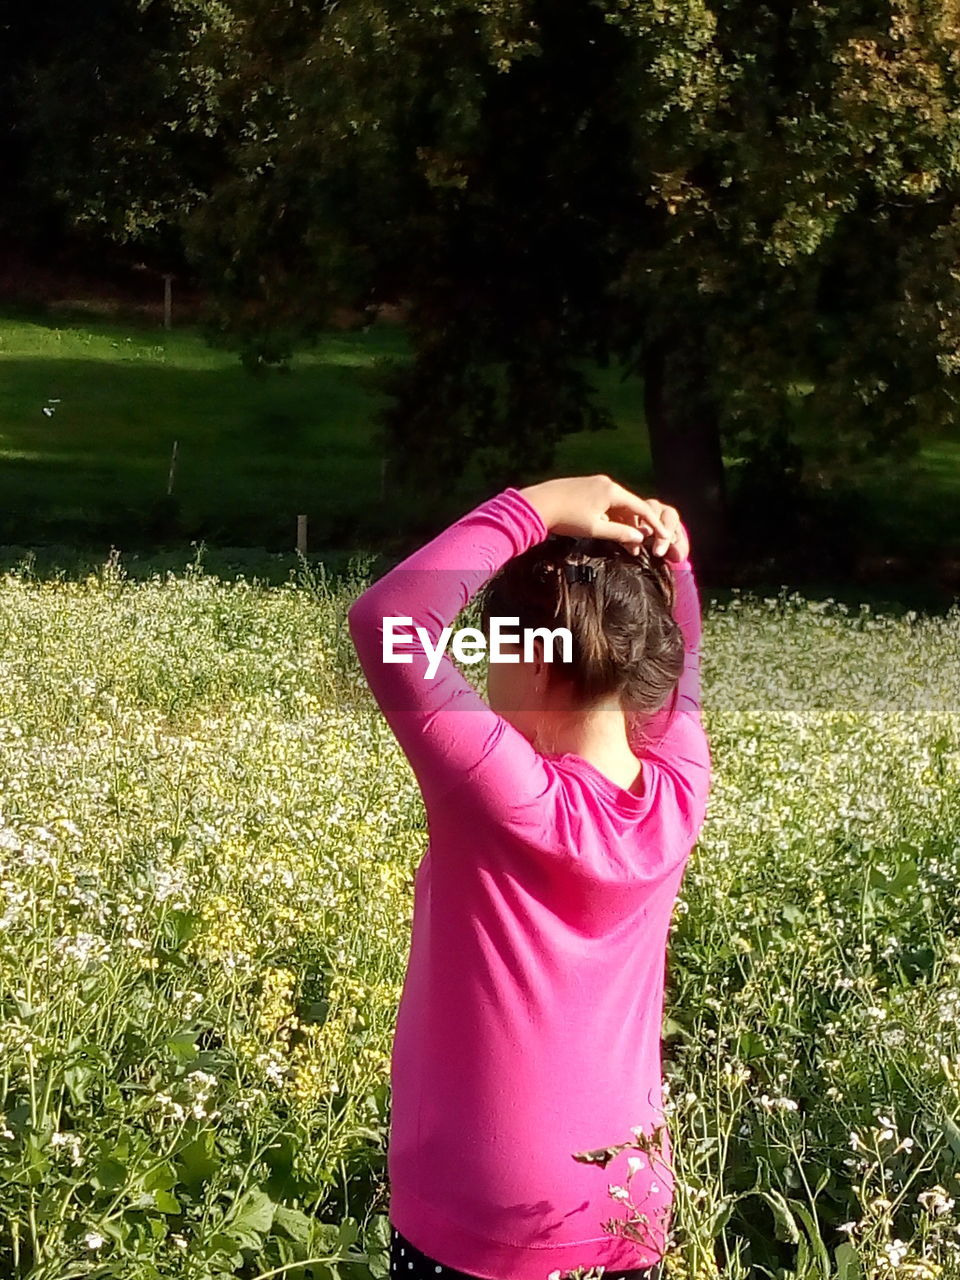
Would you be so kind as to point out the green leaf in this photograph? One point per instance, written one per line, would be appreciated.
(361, 1131)
(951, 1135)
(197, 1160)
(118, 1229)
(750, 1045)
(294, 1223)
(109, 1175)
(349, 1230)
(179, 927)
(18, 1118)
(85, 1065)
(720, 1218)
(816, 1240)
(378, 1234)
(166, 1202)
(785, 1226)
(848, 1264)
(906, 877)
(36, 1163)
(183, 1045)
(223, 1246)
(246, 1238)
(803, 1258)
(254, 1213)
(917, 964)
(280, 1155)
(162, 1178)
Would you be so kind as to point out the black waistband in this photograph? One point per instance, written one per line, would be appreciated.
(424, 1266)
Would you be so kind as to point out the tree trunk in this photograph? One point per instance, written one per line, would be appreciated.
(685, 448)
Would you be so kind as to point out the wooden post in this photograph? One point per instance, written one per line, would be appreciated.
(167, 302)
(383, 478)
(302, 535)
(173, 464)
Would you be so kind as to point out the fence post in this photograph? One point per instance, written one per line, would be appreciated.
(167, 301)
(173, 464)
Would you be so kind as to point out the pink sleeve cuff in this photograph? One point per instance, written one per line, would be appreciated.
(528, 506)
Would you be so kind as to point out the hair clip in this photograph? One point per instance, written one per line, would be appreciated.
(579, 572)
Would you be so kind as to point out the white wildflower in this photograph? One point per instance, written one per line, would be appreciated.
(896, 1251)
(935, 1200)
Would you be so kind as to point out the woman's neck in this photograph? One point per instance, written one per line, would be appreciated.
(598, 736)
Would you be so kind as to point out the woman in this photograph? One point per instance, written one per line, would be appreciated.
(560, 817)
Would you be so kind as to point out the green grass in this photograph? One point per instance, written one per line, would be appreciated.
(254, 453)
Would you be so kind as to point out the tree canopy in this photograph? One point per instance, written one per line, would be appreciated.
(752, 206)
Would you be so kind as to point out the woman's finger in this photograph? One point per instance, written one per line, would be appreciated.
(624, 499)
(671, 518)
(668, 516)
(628, 534)
(641, 526)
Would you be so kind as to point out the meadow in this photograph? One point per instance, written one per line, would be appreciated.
(91, 407)
(207, 843)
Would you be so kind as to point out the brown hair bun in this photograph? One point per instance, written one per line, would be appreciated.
(626, 641)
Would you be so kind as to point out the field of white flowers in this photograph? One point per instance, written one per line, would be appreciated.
(207, 843)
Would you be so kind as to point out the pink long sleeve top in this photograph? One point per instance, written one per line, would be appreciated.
(530, 1020)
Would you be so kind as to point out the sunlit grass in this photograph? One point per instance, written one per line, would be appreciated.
(90, 410)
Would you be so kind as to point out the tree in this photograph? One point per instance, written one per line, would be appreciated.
(734, 200)
(109, 135)
(478, 160)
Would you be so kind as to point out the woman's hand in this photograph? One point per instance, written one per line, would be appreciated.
(598, 507)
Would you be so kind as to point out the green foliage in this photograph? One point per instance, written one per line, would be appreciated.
(546, 185)
(118, 126)
(768, 192)
(251, 455)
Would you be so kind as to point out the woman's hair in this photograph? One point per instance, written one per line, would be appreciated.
(626, 641)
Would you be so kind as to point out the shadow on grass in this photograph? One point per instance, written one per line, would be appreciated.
(334, 567)
(252, 454)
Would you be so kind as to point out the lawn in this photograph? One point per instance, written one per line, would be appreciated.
(90, 409)
(252, 453)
